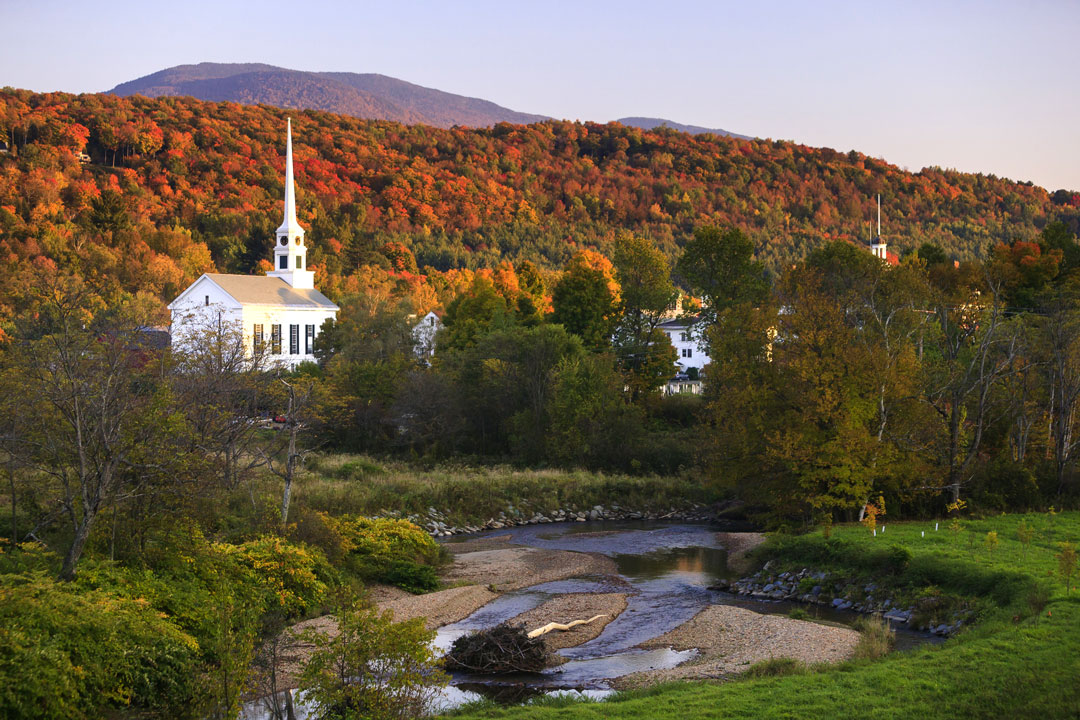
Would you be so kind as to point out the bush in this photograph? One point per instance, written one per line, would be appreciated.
(391, 551)
(385, 540)
(295, 577)
(373, 668)
(411, 576)
(70, 653)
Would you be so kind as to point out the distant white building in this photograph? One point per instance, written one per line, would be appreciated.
(279, 314)
(686, 335)
(423, 334)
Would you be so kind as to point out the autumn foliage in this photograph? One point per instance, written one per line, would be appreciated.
(176, 187)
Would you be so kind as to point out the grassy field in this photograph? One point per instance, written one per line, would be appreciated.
(1010, 664)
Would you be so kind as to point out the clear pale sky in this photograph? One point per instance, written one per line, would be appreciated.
(979, 86)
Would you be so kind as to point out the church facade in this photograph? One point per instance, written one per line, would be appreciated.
(279, 315)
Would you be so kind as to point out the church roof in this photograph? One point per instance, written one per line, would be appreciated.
(262, 290)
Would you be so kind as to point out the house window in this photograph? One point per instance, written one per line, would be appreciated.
(687, 352)
(294, 339)
(206, 301)
(685, 337)
(258, 346)
(275, 339)
(283, 262)
(309, 339)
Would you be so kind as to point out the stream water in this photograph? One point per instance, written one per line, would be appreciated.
(664, 568)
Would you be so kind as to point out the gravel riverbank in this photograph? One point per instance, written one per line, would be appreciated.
(516, 567)
(731, 639)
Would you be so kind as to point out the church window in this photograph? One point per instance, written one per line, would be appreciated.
(258, 346)
(299, 263)
(294, 339)
(297, 241)
(283, 263)
(309, 339)
(275, 339)
(282, 240)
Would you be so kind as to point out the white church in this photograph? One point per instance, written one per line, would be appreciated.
(278, 314)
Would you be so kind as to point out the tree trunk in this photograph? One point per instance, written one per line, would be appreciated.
(82, 534)
(290, 465)
(14, 517)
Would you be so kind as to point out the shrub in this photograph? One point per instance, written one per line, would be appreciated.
(295, 577)
(70, 653)
(373, 668)
(385, 540)
(411, 576)
(391, 551)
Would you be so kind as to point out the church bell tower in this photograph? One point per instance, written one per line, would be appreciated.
(290, 253)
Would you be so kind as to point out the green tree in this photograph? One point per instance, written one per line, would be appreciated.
(583, 302)
(719, 265)
(473, 314)
(644, 353)
(98, 419)
(373, 668)
(592, 424)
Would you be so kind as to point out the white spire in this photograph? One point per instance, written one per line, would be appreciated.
(290, 252)
(877, 245)
(290, 224)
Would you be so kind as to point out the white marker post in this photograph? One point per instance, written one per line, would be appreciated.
(875, 532)
(935, 527)
(922, 533)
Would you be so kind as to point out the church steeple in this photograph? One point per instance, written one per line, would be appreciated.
(290, 253)
(877, 245)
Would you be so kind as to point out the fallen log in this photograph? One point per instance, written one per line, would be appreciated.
(563, 626)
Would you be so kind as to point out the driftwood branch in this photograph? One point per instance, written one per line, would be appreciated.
(563, 627)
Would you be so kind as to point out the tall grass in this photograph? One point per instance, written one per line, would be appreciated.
(359, 485)
(876, 638)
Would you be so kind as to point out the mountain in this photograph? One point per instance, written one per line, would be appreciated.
(646, 123)
(363, 95)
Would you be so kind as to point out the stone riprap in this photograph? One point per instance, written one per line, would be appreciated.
(437, 524)
(821, 588)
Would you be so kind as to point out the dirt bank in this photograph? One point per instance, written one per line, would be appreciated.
(738, 546)
(574, 606)
(517, 567)
(731, 639)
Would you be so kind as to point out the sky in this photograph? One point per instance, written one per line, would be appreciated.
(978, 86)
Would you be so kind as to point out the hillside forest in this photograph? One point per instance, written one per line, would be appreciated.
(188, 503)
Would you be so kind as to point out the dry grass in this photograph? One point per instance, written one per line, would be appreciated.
(876, 638)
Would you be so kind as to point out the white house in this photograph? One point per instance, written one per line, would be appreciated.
(686, 337)
(423, 334)
(279, 314)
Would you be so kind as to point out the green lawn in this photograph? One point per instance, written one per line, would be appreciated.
(1003, 667)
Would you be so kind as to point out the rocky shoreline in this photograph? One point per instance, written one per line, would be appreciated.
(437, 524)
(821, 588)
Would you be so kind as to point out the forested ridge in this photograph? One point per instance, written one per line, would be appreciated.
(175, 187)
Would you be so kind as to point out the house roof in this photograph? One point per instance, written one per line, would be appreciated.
(677, 323)
(263, 290)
